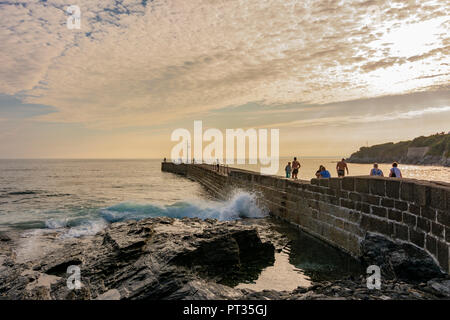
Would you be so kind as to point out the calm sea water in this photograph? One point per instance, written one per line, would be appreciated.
(311, 165)
(81, 197)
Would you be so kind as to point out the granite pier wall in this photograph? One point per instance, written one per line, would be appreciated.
(341, 211)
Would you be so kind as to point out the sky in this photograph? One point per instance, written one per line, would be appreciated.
(331, 75)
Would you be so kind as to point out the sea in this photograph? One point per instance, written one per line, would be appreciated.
(81, 197)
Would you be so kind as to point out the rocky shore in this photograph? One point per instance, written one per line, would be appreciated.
(431, 150)
(164, 258)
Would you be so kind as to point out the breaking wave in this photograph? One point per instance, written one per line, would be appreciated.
(240, 206)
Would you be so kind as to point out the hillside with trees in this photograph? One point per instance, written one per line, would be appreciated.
(431, 150)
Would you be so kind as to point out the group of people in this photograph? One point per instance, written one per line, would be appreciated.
(341, 169)
(292, 168)
(321, 173)
(394, 172)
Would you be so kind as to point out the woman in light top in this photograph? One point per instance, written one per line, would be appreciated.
(395, 171)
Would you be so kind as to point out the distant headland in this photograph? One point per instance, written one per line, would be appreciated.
(431, 150)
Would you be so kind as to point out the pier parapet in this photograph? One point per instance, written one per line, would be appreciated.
(342, 211)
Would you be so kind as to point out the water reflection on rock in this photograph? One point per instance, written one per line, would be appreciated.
(303, 260)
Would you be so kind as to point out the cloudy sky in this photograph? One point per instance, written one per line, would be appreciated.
(331, 75)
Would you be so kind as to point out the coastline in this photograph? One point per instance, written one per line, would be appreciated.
(416, 162)
(173, 259)
(431, 150)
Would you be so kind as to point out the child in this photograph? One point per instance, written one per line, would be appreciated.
(288, 170)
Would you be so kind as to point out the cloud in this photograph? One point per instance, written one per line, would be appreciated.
(385, 63)
(138, 63)
(357, 119)
(259, 114)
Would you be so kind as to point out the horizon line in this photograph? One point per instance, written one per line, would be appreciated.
(154, 158)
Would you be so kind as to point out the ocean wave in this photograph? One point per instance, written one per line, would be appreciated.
(19, 193)
(57, 195)
(56, 223)
(34, 192)
(87, 228)
(241, 205)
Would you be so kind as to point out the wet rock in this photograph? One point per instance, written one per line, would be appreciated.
(200, 289)
(229, 257)
(265, 295)
(440, 287)
(158, 258)
(112, 294)
(59, 268)
(4, 237)
(164, 258)
(399, 260)
(357, 290)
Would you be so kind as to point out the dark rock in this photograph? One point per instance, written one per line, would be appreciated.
(158, 258)
(4, 237)
(440, 286)
(399, 260)
(229, 257)
(58, 269)
(163, 258)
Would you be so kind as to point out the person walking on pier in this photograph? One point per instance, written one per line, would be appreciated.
(341, 167)
(295, 167)
(288, 169)
(375, 171)
(395, 171)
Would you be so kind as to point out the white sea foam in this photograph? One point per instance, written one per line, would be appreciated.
(56, 223)
(240, 205)
(87, 228)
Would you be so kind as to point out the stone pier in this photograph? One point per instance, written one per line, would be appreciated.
(342, 211)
